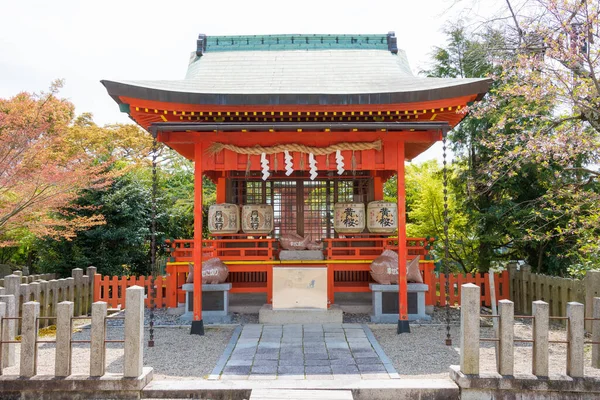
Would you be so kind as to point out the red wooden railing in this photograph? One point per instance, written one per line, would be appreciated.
(169, 292)
(350, 276)
(437, 294)
(112, 289)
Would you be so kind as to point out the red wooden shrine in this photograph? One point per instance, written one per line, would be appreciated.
(286, 90)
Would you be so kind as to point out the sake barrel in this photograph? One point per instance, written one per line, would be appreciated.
(349, 217)
(382, 217)
(257, 218)
(223, 218)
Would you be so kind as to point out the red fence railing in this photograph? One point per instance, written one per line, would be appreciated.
(112, 289)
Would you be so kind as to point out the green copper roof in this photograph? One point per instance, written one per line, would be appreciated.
(294, 42)
(298, 69)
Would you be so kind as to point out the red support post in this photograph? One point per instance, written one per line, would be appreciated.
(402, 252)
(197, 323)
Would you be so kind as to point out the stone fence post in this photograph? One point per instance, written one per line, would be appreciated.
(469, 329)
(575, 313)
(31, 311)
(596, 334)
(9, 331)
(98, 333)
(134, 332)
(541, 327)
(62, 363)
(506, 311)
(3, 314)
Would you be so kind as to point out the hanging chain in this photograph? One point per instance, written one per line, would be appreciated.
(153, 241)
(446, 252)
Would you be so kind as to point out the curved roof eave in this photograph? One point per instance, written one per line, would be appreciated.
(162, 91)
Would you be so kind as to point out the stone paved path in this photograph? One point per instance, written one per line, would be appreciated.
(312, 351)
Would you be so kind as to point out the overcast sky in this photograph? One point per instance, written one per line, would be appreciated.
(86, 41)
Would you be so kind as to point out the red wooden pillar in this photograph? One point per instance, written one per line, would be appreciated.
(402, 287)
(221, 190)
(377, 188)
(197, 323)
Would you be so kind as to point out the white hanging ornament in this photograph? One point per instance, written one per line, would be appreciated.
(313, 166)
(289, 165)
(339, 159)
(264, 163)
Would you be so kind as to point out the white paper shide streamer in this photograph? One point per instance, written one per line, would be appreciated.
(289, 165)
(313, 166)
(339, 159)
(264, 163)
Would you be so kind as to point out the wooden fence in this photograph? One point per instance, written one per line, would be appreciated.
(112, 289)
(168, 288)
(48, 292)
(437, 297)
(557, 292)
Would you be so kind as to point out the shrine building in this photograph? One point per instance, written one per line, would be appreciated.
(299, 133)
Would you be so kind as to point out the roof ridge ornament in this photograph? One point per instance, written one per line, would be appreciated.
(392, 42)
(201, 45)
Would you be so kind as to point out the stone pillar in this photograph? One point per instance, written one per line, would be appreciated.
(98, 333)
(596, 334)
(9, 331)
(541, 327)
(575, 312)
(31, 310)
(134, 332)
(506, 311)
(77, 274)
(18, 273)
(62, 363)
(13, 286)
(469, 329)
(592, 290)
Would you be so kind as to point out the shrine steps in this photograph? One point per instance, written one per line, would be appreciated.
(397, 389)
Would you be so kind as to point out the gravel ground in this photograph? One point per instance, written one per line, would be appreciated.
(175, 355)
(523, 352)
(420, 354)
(423, 353)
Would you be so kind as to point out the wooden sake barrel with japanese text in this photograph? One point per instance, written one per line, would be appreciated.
(257, 219)
(382, 217)
(349, 217)
(223, 218)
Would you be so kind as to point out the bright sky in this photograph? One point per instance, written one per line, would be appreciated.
(86, 41)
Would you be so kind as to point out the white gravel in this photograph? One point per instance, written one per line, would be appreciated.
(176, 354)
(423, 353)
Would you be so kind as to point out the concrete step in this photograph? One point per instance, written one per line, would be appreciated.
(392, 389)
(296, 394)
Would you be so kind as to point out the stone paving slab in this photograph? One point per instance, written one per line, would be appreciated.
(304, 352)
